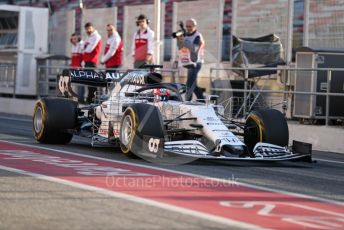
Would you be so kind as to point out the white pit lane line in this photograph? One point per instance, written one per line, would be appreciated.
(208, 217)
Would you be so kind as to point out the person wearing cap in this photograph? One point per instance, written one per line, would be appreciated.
(143, 43)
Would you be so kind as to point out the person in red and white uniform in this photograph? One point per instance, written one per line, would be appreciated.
(77, 50)
(92, 48)
(143, 43)
(76, 61)
(113, 50)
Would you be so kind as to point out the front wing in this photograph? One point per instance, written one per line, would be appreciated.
(262, 151)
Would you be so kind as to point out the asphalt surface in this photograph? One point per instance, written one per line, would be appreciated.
(28, 201)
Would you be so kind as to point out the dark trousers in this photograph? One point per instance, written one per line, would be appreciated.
(191, 83)
(139, 64)
(91, 90)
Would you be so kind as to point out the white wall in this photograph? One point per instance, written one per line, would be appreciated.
(61, 27)
(32, 42)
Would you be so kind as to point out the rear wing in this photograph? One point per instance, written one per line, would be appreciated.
(92, 77)
(85, 77)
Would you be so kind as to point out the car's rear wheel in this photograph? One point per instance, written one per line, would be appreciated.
(266, 125)
(53, 120)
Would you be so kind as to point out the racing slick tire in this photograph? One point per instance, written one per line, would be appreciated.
(138, 121)
(127, 131)
(53, 120)
(266, 125)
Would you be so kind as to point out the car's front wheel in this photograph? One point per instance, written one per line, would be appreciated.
(128, 131)
(266, 125)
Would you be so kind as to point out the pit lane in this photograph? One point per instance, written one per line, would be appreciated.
(322, 180)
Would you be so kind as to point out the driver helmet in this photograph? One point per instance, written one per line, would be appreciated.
(161, 94)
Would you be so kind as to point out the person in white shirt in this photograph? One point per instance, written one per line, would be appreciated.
(77, 50)
(76, 60)
(112, 57)
(143, 43)
(92, 48)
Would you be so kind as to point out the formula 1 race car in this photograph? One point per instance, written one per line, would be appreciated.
(150, 119)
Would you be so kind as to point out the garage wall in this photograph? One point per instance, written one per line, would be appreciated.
(255, 18)
(61, 26)
(326, 24)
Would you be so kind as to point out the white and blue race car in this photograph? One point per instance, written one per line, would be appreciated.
(150, 119)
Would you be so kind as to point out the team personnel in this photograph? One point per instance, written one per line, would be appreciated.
(77, 50)
(143, 43)
(92, 48)
(112, 57)
(194, 37)
(76, 59)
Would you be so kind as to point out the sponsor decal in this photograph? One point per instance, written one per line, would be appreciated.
(103, 131)
(113, 76)
(116, 132)
(212, 119)
(93, 75)
(85, 74)
(63, 84)
(214, 123)
(223, 133)
(153, 145)
(232, 140)
(136, 78)
(64, 87)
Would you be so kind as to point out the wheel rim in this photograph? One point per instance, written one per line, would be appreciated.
(38, 120)
(127, 130)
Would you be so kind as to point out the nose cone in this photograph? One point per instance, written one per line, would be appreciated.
(237, 150)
